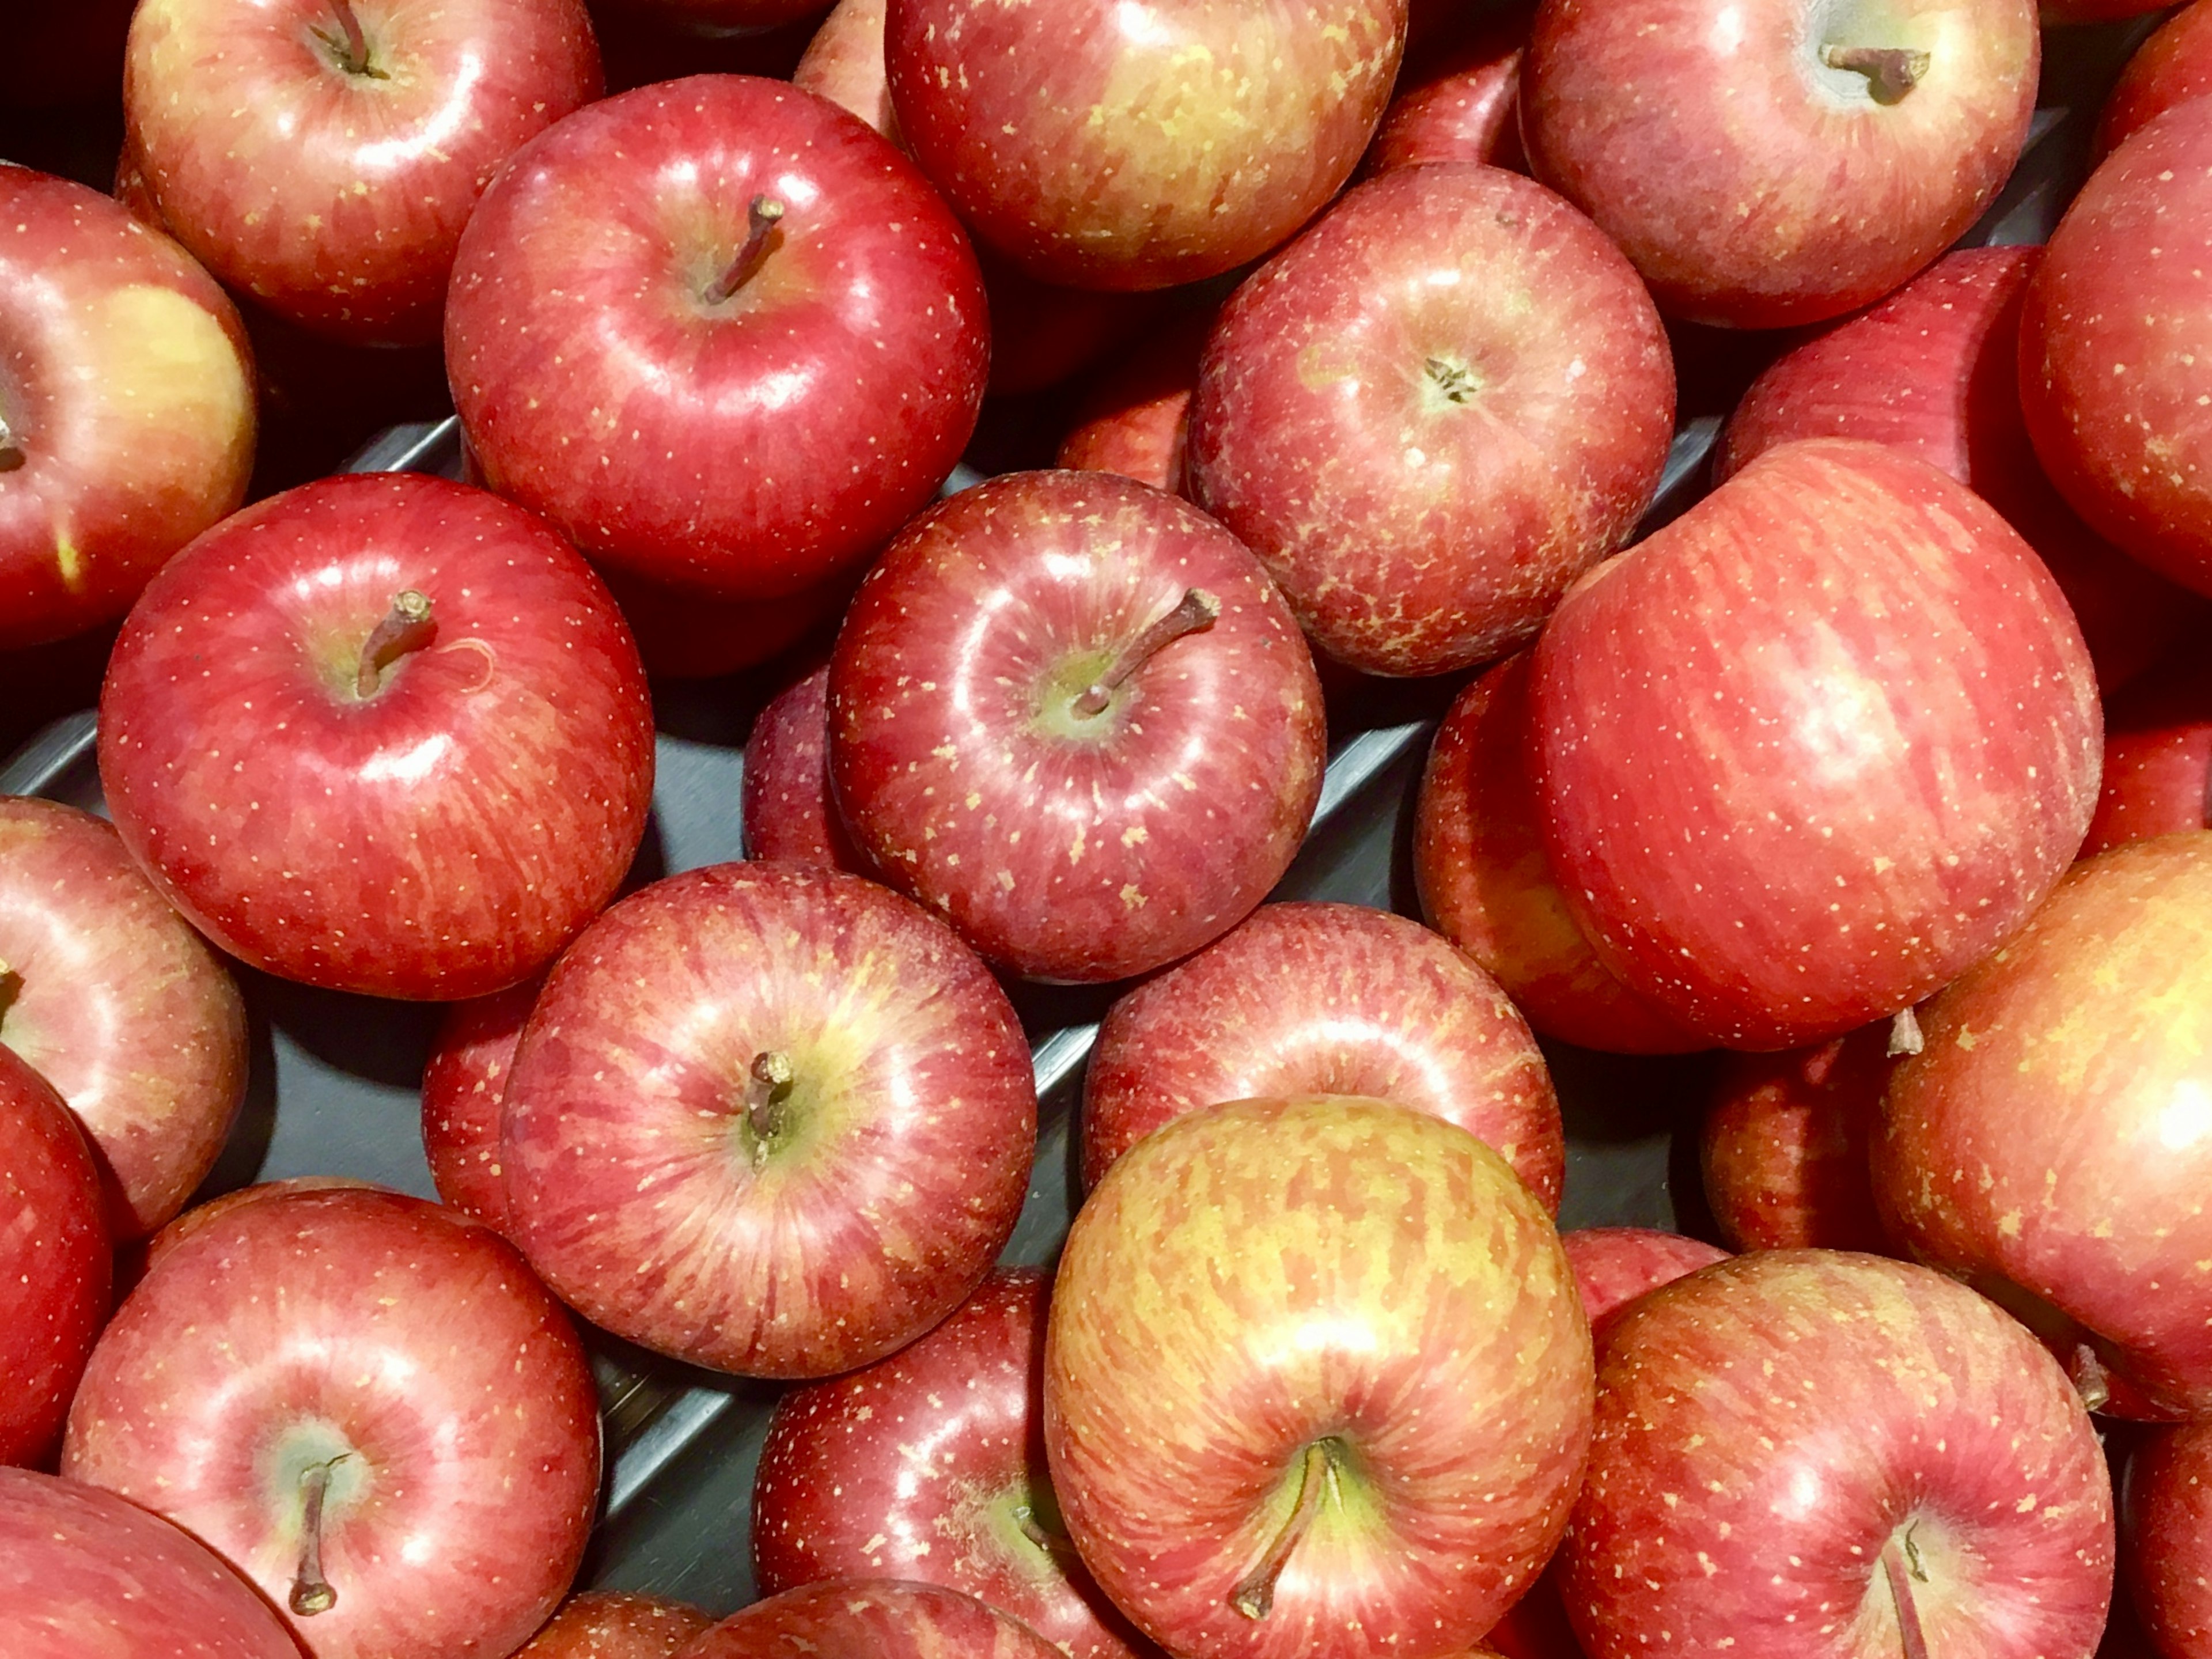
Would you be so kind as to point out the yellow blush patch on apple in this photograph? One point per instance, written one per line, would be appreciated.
(167, 364)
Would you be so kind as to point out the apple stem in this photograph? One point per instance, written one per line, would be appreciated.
(352, 49)
(1900, 1560)
(406, 627)
(1904, 1037)
(1254, 1594)
(1195, 611)
(11, 448)
(1033, 1529)
(311, 1592)
(761, 218)
(1891, 71)
(2086, 1373)
(767, 1089)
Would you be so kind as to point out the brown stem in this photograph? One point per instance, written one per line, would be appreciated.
(1254, 1594)
(11, 448)
(1900, 1560)
(350, 44)
(1025, 1518)
(766, 1089)
(11, 983)
(311, 1592)
(407, 626)
(1904, 1037)
(761, 221)
(1196, 610)
(2086, 1373)
(1891, 71)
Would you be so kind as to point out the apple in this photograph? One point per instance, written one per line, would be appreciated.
(870, 1618)
(323, 155)
(1766, 166)
(368, 1407)
(1804, 1451)
(126, 417)
(82, 1572)
(841, 1493)
(1461, 108)
(2168, 1529)
(54, 1263)
(1814, 748)
(1933, 370)
(692, 636)
(1486, 884)
(1073, 715)
(1783, 1147)
(615, 1625)
(2051, 1142)
(2158, 756)
(381, 734)
(1326, 999)
(1431, 413)
(1144, 144)
(1136, 417)
(713, 268)
(1316, 1381)
(769, 1119)
(788, 813)
(131, 1264)
(121, 1005)
(2126, 449)
(464, 1094)
(2174, 66)
(844, 63)
(1614, 1267)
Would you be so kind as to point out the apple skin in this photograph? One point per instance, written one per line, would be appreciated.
(614, 1624)
(600, 386)
(1753, 185)
(2166, 1526)
(1814, 748)
(1486, 884)
(464, 1094)
(133, 1262)
(1136, 417)
(638, 1186)
(2126, 450)
(2174, 66)
(129, 407)
(334, 199)
(840, 1494)
(1068, 849)
(1099, 147)
(373, 1327)
(2158, 756)
(690, 636)
(1616, 1267)
(844, 63)
(1933, 371)
(1465, 108)
(788, 813)
(1784, 1148)
(54, 1262)
(119, 1005)
(2051, 1142)
(1326, 999)
(1767, 1426)
(1271, 1276)
(442, 838)
(870, 1618)
(83, 1573)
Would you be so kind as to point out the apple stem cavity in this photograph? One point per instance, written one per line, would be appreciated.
(11, 448)
(312, 1592)
(1194, 612)
(351, 46)
(1891, 71)
(767, 1087)
(1904, 1037)
(761, 218)
(1900, 1561)
(407, 626)
(1254, 1594)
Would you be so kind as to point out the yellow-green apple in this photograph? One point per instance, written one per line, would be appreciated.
(785, 793)
(1816, 747)
(1614, 1267)
(1071, 713)
(365, 1404)
(109, 994)
(1765, 165)
(1136, 417)
(615, 1625)
(380, 733)
(2174, 66)
(126, 411)
(1140, 143)
(323, 155)
(2051, 1142)
(717, 267)
(2158, 756)
(1317, 1382)
(465, 1095)
(1305, 998)
(1783, 1150)
(768, 1118)
(870, 1618)
(1431, 413)
(1463, 106)
(2167, 1538)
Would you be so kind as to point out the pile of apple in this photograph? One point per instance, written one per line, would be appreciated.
(1884, 767)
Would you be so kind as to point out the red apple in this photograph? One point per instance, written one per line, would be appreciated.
(1317, 1382)
(692, 636)
(614, 1624)
(786, 793)
(464, 1094)
(2167, 1504)
(1807, 1451)
(714, 268)
(1326, 999)
(1784, 1148)
(126, 417)
(131, 1265)
(121, 1005)
(1615, 1267)
(1486, 884)
(2052, 1141)
(54, 1264)
(2174, 66)
(368, 1407)
(769, 1119)
(1144, 144)
(323, 155)
(1431, 413)
(1073, 715)
(1134, 421)
(2127, 447)
(83, 1573)
(381, 734)
(844, 63)
(870, 1618)
(1934, 370)
(2158, 756)
(1464, 107)
(1814, 747)
(1765, 165)
(841, 1493)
